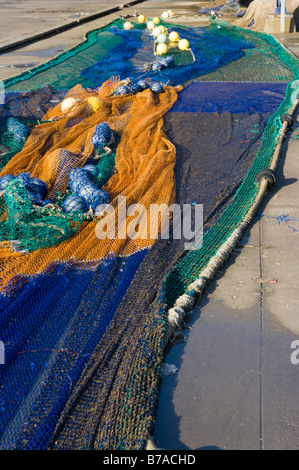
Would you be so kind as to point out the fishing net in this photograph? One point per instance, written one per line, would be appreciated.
(91, 140)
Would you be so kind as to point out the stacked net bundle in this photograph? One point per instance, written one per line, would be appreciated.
(102, 128)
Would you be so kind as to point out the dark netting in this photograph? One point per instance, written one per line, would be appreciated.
(83, 320)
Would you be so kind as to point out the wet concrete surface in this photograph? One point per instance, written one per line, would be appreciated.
(25, 18)
(235, 387)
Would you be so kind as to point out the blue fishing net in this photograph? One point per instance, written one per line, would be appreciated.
(84, 340)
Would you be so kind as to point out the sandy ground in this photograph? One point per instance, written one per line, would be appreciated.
(21, 19)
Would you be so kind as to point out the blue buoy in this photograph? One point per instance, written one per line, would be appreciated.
(87, 192)
(77, 177)
(157, 66)
(136, 88)
(24, 177)
(99, 208)
(17, 129)
(122, 90)
(143, 84)
(84, 189)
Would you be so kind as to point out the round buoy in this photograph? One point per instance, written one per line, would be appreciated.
(162, 39)
(157, 31)
(183, 44)
(90, 169)
(35, 198)
(86, 191)
(167, 61)
(170, 13)
(162, 49)
(4, 180)
(77, 179)
(128, 25)
(38, 186)
(141, 18)
(165, 14)
(156, 20)
(163, 29)
(102, 135)
(74, 204)
(99, 197)
(94, 104)
(99, 209)
(135, 88)
(173, 36)
(75, 173)
(123, 90)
